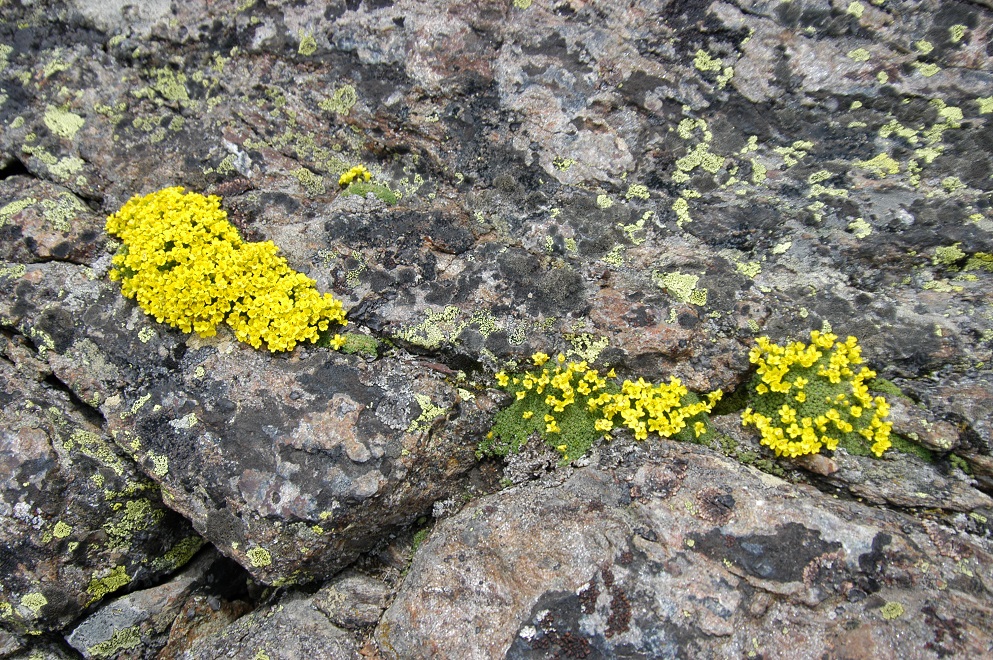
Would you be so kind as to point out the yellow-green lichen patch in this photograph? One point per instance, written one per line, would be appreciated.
(5, 52)
(636, 190)
(880, 165)
(604, 201)
(12, 209)
(926, 69)
(563, 164)
(124, 639)
(168, 84)
(633, 232)
(749, 269)
(313, 183)
(586, 346)
(179, 554)
(923, 46)
(860, 228)
(63, 123)
(308, 45)
(341, 101)
(34, 602)
(160, 464)
(980, 260)
(61, 530)
(956, 32)
(704, 62)
(985, 104)
(429, 413)
(682, 287)
(430, 333)
(523, 4)
(951, 184)
(64, 168)
(99, 587)
(856, 9)
(891, 610)
(948, 255)
(259, 557)
(138, 516)
(96, 447)
(61, 210)
(859, 55)
(795, 152)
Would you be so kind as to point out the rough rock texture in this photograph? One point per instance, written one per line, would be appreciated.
(647, 185)
(669, 551)
(78, 520)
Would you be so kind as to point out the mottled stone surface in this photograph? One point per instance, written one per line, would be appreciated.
(291, 628)
(669, 551)
(649, 186)
(78, 519)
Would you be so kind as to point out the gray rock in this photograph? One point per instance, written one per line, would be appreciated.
(141, 619)
(291, 628)
(78, 520)
(353, 600)
(668, 550)
(647, 185)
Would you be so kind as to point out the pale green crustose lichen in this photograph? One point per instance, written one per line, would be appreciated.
(429, 413)
(259, 557)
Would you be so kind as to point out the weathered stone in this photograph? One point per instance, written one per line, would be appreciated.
(331, 450)
(290, 628)
(136, 624)
(667, 550)
(78, 519)
(353, 600)
(649, 186)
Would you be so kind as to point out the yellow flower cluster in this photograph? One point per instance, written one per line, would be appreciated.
(809, 396)
(574, 402)
(186, 265)
(359, 172)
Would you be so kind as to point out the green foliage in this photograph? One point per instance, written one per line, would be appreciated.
(361, 188)
(960, 463)
(419, 538)
(884, 386)
(360, 344)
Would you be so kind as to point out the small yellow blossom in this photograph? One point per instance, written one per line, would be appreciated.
(359, 172)
(187, 266)
(539, 358)
(829, 395)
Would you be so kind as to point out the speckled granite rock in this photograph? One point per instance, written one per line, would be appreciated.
(648, 185)
(665, 550)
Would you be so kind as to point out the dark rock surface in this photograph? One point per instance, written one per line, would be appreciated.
(649, 186)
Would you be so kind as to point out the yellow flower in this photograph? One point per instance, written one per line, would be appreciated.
(186, 265)
(539, 358)
(357, 172)
(527, 414)
(502, 378)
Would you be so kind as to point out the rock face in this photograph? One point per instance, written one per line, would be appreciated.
(669, 551)
(78, 519)
(648, 186)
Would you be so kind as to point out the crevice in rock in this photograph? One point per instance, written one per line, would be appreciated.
(14, 168)
(92, 415)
